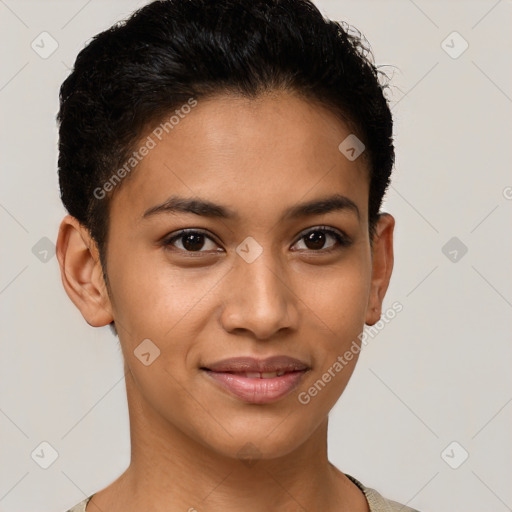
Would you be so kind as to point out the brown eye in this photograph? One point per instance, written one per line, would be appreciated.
(317, 238)
(192, 241)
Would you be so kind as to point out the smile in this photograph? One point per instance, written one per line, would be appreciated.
(257, 381)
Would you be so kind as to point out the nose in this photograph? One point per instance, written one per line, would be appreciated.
(258, 299)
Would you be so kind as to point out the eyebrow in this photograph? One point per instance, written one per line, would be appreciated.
(204, 208)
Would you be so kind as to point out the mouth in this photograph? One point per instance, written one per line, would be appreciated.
(257, 375)
(257, 381)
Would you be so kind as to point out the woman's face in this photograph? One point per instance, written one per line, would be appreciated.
(256, 277)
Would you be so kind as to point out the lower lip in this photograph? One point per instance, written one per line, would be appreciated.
(257, 391)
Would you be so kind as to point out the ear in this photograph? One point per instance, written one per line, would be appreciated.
(382, 266)
(81, 272)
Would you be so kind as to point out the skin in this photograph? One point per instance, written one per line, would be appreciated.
(257, 157)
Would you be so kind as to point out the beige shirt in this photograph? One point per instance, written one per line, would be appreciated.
(375, 501)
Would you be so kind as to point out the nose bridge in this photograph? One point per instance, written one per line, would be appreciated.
(260, 299)
(264, 285)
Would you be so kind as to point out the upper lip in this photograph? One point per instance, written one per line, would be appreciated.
(251, 364)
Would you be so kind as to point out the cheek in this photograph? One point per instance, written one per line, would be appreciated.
(336, 308)
(338, 298)
(150, 297)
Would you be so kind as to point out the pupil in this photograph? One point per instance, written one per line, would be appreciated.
(193, 242)
(315, 240)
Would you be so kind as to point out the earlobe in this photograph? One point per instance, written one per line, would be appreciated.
(81, 272)
(382, 266)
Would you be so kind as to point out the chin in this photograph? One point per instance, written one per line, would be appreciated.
(250, 441)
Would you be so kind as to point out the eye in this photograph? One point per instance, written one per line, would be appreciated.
(316, 238)
(192, 241)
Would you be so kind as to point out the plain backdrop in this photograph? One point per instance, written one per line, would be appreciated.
(426, 418)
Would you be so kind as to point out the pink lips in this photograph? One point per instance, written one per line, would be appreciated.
(258, 381)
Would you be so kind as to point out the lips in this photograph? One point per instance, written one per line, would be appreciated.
(260, 375)
(251, 364)
(257, 380)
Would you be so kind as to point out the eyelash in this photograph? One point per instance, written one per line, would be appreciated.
(341, 239)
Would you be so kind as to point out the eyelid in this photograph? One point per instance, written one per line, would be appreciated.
(344, 238)
(168, 239)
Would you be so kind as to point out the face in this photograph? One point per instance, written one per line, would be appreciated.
(249, 293)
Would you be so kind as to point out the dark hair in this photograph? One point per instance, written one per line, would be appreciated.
(133, 74)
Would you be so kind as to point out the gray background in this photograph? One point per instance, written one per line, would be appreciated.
(438, 373)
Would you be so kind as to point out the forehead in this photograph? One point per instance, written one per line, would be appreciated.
(252, 154)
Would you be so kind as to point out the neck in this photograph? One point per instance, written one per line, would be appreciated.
(169, 468)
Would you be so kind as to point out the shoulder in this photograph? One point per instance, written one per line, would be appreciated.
(80, 507)
(377, 502)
